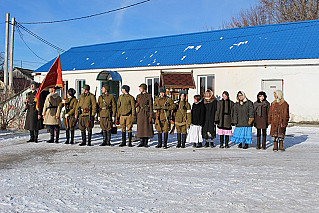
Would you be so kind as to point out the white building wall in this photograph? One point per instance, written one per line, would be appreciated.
(300, 81)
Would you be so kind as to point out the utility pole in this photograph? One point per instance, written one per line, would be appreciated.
(6, 53)
(11, 54)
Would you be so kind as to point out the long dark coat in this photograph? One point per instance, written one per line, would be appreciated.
(278, 117)
(144, 114)
(261, 114)
(242, 113)
(198, 113)
(32, 122)
(209, 128)
(224, 114)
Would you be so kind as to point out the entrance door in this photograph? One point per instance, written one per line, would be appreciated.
(269, 86)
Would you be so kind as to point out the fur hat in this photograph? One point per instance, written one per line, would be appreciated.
(144, 86)
(106, 86)
(126, 88)
(261, 93)
(71, 92)
(86, 87)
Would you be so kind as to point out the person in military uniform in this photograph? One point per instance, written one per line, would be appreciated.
(107, 107)
(68, 114)
(144, 105)
(85, 112)
(162, 107)
(126, 114)
(51, 115)
(182, 118)
(33, 121)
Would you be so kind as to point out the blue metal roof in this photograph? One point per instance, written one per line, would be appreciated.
(296, 40)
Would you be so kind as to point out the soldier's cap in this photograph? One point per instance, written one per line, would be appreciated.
(126, 88)
(144, 86)
(86, 87)
(106, 86)
(162, 89)
(71, 91)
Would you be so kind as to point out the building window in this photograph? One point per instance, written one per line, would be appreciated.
(204, 83)
(152, 86)
(79, 84)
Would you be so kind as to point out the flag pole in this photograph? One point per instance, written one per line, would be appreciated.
(63, 96)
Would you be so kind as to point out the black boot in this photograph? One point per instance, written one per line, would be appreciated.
(227, 141)
(199, 145)
(245, 146)
(89, 138)
(141, 143)
(36, 135)
(194, 145)
(130, 139)
(104, 139)
(31, 136)
(51, 135)
(206, 143)
(221, 143)
(179, 140)
(67, 134)
(165, 140)
(57, 134)
(108, 140)
(183, 140)
(83, 134)
(212, 145)
(240, 145)
(72, 136)
(159, 144)
(146, 142)
(123, 139)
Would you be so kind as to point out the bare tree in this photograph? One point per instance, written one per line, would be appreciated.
(275, 11)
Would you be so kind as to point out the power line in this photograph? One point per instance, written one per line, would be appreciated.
(88, 16)
(39, 38)
(21, 36)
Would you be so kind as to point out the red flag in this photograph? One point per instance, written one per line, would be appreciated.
(52, 79)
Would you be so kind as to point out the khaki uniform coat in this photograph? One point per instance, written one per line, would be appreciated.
(50, 109)
(126, 113)
(70, 108)
(107, 107)
(182, 116)
(162, 108)
(144, 104)
(278, 117)
(84, 104)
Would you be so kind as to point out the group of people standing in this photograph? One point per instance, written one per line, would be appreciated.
(196, 124)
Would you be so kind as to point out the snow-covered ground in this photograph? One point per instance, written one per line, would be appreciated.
(68, 178)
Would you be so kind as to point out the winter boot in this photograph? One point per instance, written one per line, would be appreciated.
(89, 138)
(146, 142)
(179, 140)
(212, 145)
(108, 138)
(67, 135)
(104, 138)
(258, 142)
(281, 145)
(240, 145)
(264, 142)
(194, 145)
(72, 136)
(130, 139)
(141, 143)
(57, 134)
(31, 136)
(51, 136)
(206, 143)
(227, 141)
(159, 144)
(123, 139)
(165, 140)
(245, 146)
(36, 136)
(183, 140)
(83, 134)
(199, 145)
(221, 143)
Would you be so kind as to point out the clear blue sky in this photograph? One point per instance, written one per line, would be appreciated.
(152, 19)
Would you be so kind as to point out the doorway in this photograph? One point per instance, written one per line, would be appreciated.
(269, 86)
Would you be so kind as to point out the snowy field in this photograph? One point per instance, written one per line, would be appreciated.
(68, 178)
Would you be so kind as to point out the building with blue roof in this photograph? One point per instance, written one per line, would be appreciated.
(268, 57)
